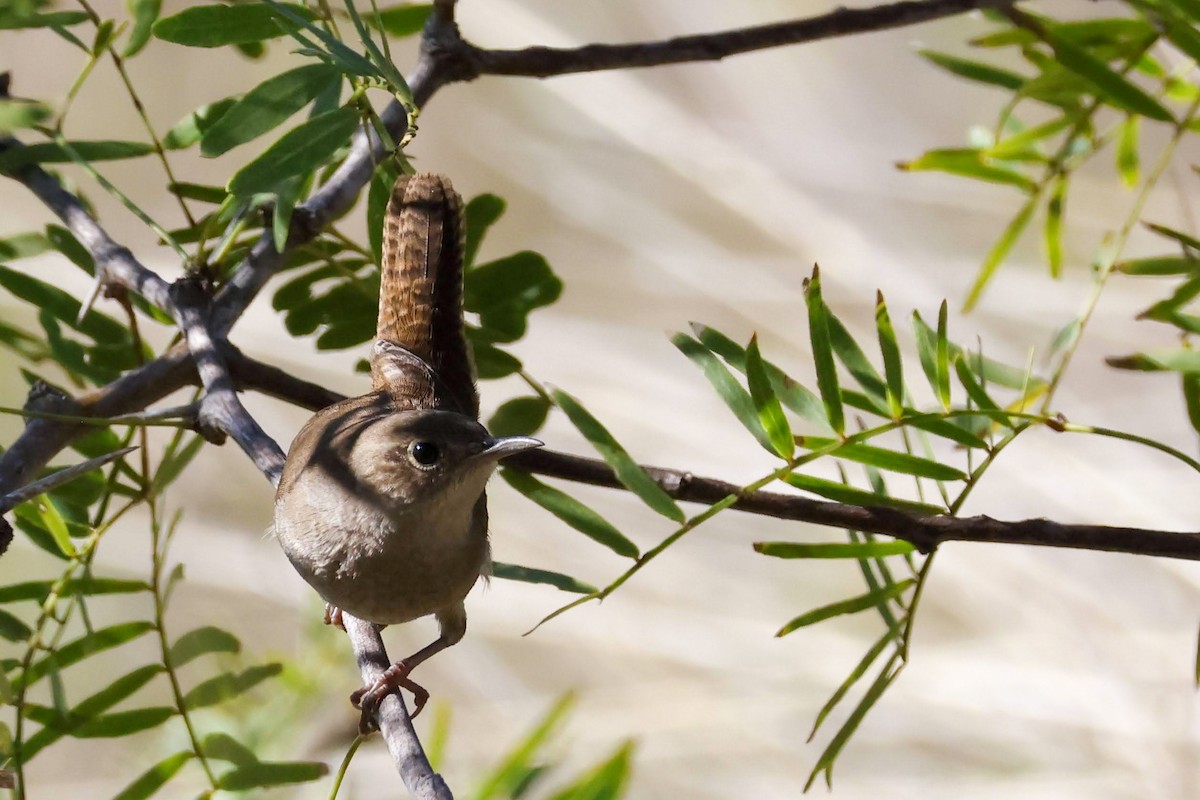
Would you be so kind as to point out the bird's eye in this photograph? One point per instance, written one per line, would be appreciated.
(424, 454)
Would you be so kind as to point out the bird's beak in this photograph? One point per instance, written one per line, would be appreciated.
(500, 447)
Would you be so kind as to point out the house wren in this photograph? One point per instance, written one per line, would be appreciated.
(381, 507)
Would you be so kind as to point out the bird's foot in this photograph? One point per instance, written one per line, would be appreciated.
(368, 698)
(333, 616)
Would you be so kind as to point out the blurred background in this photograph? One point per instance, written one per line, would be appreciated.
(702, 192)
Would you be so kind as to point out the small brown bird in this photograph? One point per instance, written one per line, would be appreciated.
(381, 507)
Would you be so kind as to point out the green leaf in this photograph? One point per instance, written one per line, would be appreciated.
(968, 163)
(198, 191)
(53, 19)
(492, 363)
(124, 723)
(216, 25)
(766, 404)
(50, 153)
(56, 525)
(228, 685)
(975, 70)
(263, 774)
(791, 393)
(571, 511)
(156, 777)
(1127, 151)
(1111, 86)
(191, 128)
(851, 606)
(1022, 142)
(855, 674)
(401, 20)
(604, 782)
(514, 572)
(23, 245)
(858, 497)
(513, 769)
(481, 213)
(144, 14)
(13, 629)
(1175, 359)
(892, 364)
(974, 389)
(876, 690)
(1158, 265)
(39, 590)
(79, 649)
(1191, 397)
(202, 641)
(521, 416)
(266, 107)
(904, 463)
(300, 150)
(174, 464)
(503, 292)
(1053, 230)
(818, 332)
(378, 196)
(18, 114)
(223, 747)
(736, 398)
(878, 549)
(631, 475)
(999, 252)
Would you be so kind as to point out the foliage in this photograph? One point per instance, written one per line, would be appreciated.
(911, 435)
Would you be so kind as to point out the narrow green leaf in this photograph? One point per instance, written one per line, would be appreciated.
(1127, 151)
(968, 163)
(266, 107)
(904, 463)
(878, 549)
(216, 25)
(855, 675)
(603, 782)
(512, 770)
(401, 20)
(54, 522)
(1022, 142)
(818, 331)
(228, 685)
(943, 355)
(876, 690)
(735, 397)
(851, 606)
(264, 774)
(766, 404)
(153, 779)
(18, 114)
(1172, 359)
(858, 497)
(975, 70)
(124, 723)
(481, 213)
(171, 469)
(515, 572)
(1053, 230)
(974, 389)
(999, 252)
(631, 475)
(201, 641)
(300, 150)
(1191, 397)
(1158, 265)
(223, 747)
(521, 416)
(53, 19)
(571, 511)
(50, 153)
(38, 590)
(79, 649)
(191, 128)
(892, 363)
(144, 13)
(13, 629)
(1110, 85)
(791, 393)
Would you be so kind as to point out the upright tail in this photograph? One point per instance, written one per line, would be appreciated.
(420, 295)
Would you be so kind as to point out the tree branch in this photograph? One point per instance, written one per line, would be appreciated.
(545, 62)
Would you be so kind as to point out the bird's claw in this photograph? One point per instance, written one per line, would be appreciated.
(368, 698)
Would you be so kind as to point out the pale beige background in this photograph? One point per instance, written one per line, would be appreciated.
(706, 192)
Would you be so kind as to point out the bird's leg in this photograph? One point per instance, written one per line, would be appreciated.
(453, 624)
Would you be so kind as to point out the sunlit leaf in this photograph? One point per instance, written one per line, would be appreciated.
(571, 511)
(631, 475)
(834, 549)
(818, 331)
(766, 404)
(515, 572)
(883, 458)
(999, 252)
(79, 649)
(843, 493)
(975, 70)
(153, 779)
(228, 685)
(201, 641)
(216, 25)
(851, 606)
(731, 392)
(521, 416)
(266, 107)
(50, 153)
(300, 150)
